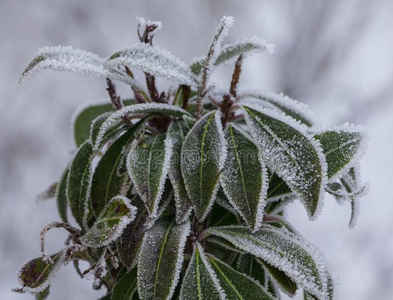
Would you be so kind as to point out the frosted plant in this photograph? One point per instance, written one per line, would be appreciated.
(181, 195)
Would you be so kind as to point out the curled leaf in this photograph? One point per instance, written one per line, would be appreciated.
(35, 275)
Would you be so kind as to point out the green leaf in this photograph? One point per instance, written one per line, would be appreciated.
(200, 282)
(35, 275)
(248, 265)
(62, 197)
(109, 132)
(232, 51)
(85, 117)
(284, 282)
(278, 189)
(147, 164)
(308, 296)
(42, 295)
(238, 285)
(220, 216)
(177, 132)
(126, 287)
(78, 182)
(341, 148)
(244, 178)
(202, 158)
(297, 110)
(144, 108)
(292, 154)
(116, 215)
(130, 241)
(62, 58)
(153, 60)
(289, 252)
(161, 258)
(108, 177)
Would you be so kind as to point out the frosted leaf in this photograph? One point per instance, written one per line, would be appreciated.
(161, 258)
(291, 153)
(108, 177)
(126, 286)
(308, 296)
(286, 251)
(200, 281)
(130, 241)
(109, 132)
(202, 158)
(273, 288)
(230, 52)
(86, 114)
(61, 196)
(244, 177)
(280, 278)
(238, 285)
(166, 198)
(278, 189)
(297, 110)
(220, 216)
(189, 121)
(62, 58)
(116, 215)
(147, 165)
(35, 275)
(247, 264)
(144, 108)
(43, 295)
(343, 147)
(155, 61)
(78, 182)
(177, 132)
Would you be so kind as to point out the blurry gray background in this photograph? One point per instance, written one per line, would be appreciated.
(335, 56)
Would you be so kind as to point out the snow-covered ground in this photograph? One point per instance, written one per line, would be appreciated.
(36, 139)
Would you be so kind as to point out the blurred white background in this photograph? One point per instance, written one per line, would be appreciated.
(336, 57)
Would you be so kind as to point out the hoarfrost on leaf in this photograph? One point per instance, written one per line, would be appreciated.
(297, 110)
(202, 158)
(155, 61)
(116, 215)
(35, 275)
(148, 164)
(161, 258)
(238, 285)
(295, 156)
(343, 147)
(244, 177)
(143, 108)
(286, 251)
(177, 132)
(200, 281)
(229, 53)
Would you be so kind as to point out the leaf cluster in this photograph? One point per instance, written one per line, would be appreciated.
(181, 194)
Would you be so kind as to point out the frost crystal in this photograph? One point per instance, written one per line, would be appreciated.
(155, 61)
(293, 108)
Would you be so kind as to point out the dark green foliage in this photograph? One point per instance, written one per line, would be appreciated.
(181, 195)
